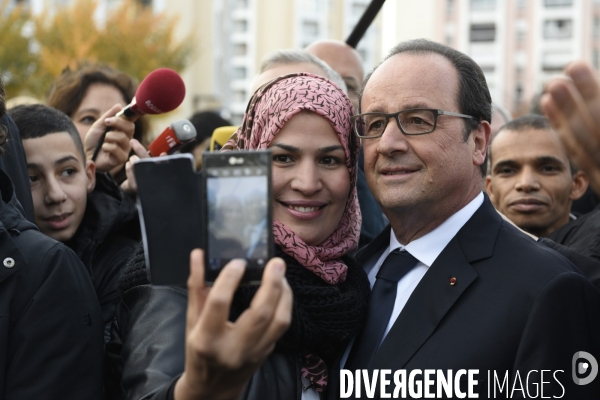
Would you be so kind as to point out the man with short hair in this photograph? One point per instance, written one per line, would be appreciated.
(532, 181)
(455, 287)
(344, 60)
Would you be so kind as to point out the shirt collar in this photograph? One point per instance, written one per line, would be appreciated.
(429, 246)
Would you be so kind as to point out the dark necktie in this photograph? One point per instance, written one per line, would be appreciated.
(396, 265)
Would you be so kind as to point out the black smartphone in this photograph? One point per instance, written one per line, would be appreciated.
(237, 211)
(170, 204)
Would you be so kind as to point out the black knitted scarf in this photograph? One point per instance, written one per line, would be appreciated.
(325, 317)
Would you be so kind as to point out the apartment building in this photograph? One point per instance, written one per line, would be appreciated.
(520, 44)
(244, 31)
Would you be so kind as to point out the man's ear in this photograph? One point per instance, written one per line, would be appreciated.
(580, 185)
(481, 138)
(489, 189)
(90, 172)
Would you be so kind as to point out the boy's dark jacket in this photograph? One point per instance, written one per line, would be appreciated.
(108, 235)
(50, 321)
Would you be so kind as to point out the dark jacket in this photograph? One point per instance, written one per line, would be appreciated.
(107, 237)
(494, 300)
(581, 235)
(587, 265)
(14, 164)
(50, 321)
(146, 354)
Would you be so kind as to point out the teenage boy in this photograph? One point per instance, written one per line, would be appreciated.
(75, 204)
(50, 320)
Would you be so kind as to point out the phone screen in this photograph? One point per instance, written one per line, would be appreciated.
(238, 212)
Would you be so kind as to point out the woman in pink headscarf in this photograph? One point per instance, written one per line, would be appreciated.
(305, 121)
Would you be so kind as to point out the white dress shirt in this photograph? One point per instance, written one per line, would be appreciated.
(425, 249)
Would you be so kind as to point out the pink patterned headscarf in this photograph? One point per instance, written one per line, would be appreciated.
(270, 108)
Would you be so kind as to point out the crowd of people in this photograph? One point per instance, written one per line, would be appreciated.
(416, 226)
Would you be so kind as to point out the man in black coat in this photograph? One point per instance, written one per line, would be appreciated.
(477, 296)
(50, 320)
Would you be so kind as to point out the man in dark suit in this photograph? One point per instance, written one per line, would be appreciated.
(474, 293)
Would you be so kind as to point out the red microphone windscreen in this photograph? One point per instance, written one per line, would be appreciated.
(161, 91)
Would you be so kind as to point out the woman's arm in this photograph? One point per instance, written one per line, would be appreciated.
(156, 354)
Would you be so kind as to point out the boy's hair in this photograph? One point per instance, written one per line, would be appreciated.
(38, 120)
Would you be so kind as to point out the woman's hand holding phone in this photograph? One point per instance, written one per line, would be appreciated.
(221, 356)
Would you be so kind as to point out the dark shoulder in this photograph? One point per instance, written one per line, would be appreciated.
(584, 223)
(51, 267)
(527, 260)
(37, 248)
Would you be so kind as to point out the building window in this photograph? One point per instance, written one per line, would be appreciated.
(558, 29)
(310, 7)
(488, 69)
(483, 5)
(239, 96)
(596, 26)
(596, 58)
(558, 3)
(241, 4)
(240, 26)
(518, 93)
(450, 7)
(519, 73)
(239, 73)
(522, 4)
(358, 9)
(145, 3)
(240, 49)
(555, 61)
(483, 33)
(310, 29)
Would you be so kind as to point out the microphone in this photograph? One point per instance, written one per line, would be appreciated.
(173, 138)
(161, 91)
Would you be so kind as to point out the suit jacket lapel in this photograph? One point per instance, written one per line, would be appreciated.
(434, 296)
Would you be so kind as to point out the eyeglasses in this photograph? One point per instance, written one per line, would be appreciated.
(414, 121)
